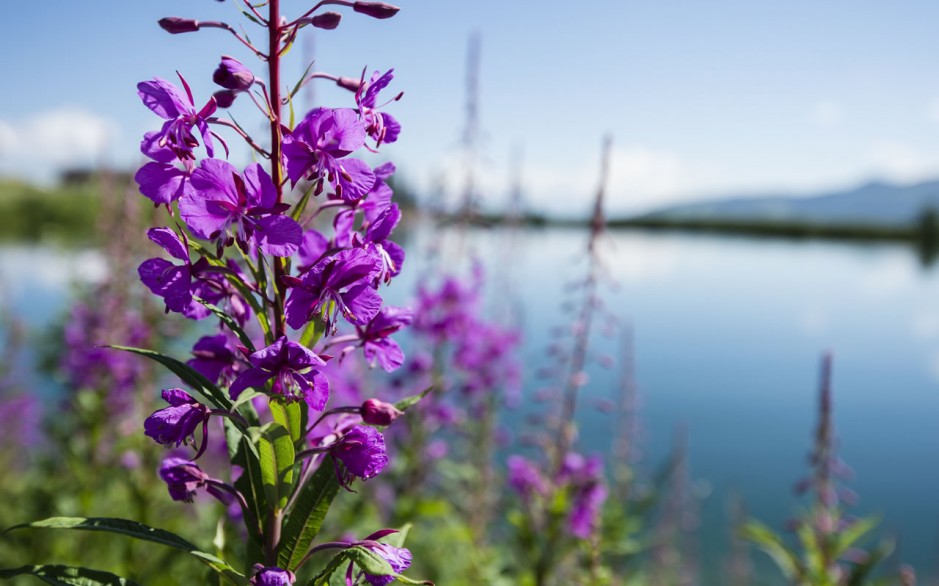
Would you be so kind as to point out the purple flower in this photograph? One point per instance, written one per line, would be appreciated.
(160, 180)
(272, 576)
(585, 477)
(584, 519)
(398, 558)
(178, 422)
(312, 248)
(362, 451)
(343, 279)
(380, 126)
(182, 477)
(376, 241)
(376, 344)
(525, 477)
(216, 358)
(295, 370)
(165, 100)
(224, 201)
(314, 149)
(163, 278)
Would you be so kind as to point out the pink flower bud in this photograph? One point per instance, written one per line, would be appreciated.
(175, 25)
(375, 412)
(327, 20)
(375, 9)
(349, 83)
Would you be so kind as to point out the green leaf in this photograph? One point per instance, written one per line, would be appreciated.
(370, 562)
(854, 533)
(190, 376)
(764, 538)
(334, 564)
(277, 456)
(242, 451)
(67, 576)
(860, 573)
(137, 531)
(290, 415)
(312, 333)
(306, 518)
(230, 322)
(408, 402)
(398, 539)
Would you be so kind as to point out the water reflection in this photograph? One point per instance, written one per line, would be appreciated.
(728, 332)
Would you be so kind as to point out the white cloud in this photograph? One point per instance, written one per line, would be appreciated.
(898, 161)
(641, 178)
(827, 113)
(46, 141)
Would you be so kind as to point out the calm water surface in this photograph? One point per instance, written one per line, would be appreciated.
(728, 337)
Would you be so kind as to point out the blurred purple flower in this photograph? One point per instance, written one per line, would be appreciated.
(376, 344)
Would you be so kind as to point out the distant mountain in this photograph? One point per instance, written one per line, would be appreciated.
(876, 203)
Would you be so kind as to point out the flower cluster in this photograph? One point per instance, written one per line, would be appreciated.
(242, 246)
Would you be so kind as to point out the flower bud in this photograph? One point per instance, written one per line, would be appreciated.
(375, 412)
(327, 20)
(379, 10)
(175, 25)
(225, 98)
(232, 75)
(349, 83)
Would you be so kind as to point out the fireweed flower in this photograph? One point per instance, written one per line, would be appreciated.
(376, 242)
(398, 558)
(163, 278)
(183, 478)
(216, 358)
(362, 451)
(343, 280)
(161, 180)
(312, 248)
(295, 370)
(272, 576)
(525, 478)
(585, 478)
(246, 205)
(178, 422)
(314, 148)
(212, 286)
(165, 100)
(376, 344)
(380, 126)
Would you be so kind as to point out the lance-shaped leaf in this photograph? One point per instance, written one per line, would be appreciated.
(306, 517)
(230, 322)
(138, 531)
(58, 575)
(408, 402)
(242, 451)
(203, 386)
(277, 456)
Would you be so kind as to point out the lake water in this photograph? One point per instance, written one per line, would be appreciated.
(728, 337)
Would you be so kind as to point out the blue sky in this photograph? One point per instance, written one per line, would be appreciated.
(701, 98)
